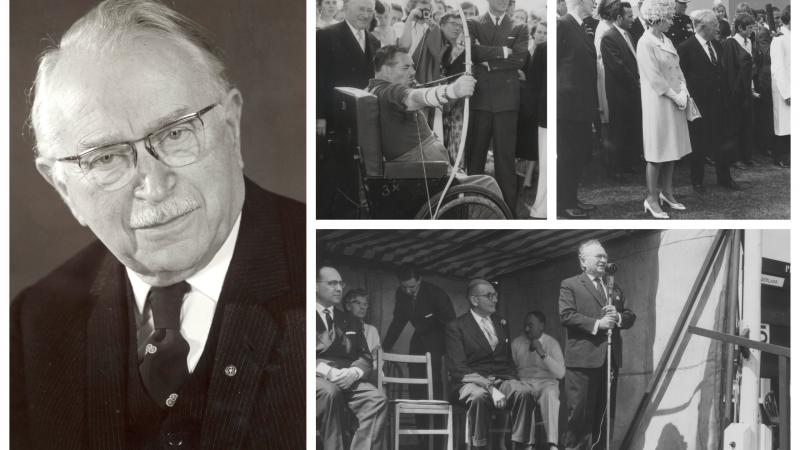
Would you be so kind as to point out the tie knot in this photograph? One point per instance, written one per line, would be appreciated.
(165, 302)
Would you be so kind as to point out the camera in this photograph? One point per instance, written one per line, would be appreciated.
(426, 13)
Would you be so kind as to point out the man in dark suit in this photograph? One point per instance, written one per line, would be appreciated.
(737, 60)
(622, 90)
(703, 70)
(576, 65)
(183, 325)
(638, 26)
(429, 309)
(343, 365)
(344, 59)
(589, 306)
(499, 49)
(482, 370)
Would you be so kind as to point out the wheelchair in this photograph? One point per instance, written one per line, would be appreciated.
(394, 190)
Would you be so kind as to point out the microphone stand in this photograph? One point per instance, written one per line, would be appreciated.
(608, 366)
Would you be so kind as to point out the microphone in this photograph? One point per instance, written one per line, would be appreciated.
(611, 269)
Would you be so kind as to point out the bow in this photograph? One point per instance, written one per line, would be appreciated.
(468, 71)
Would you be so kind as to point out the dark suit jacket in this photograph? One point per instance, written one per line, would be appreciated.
(576, 66)
(497, 89)
(738, 66)
(468, 350)
(433, 311)
(70, 332)
(580, 305)
(637, 30)
(703, 79)
(537, 81)
(724, 29)
(340, 62)
(346, 346)
(622, 74)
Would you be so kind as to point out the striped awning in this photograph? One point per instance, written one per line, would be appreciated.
(459, 253)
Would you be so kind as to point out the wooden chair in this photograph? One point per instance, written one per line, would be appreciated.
(429, 406)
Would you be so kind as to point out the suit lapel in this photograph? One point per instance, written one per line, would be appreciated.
(107, 341)
(256, 280)
(589, 285)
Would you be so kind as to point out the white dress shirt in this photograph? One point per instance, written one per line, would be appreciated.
(627, 37)
(481, 324)
(704, 44)
(321, 313)
(360, 36)
(745, 43)
(199, 304)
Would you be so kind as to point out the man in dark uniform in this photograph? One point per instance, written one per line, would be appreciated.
(681, 28)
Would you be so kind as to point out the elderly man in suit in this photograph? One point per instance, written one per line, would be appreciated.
(499, 48)
(344, 59)
(343, 364)
(589, 308)
(482, 370)
(576, 93)
(171, 329)
(701, 65)
(622, 89)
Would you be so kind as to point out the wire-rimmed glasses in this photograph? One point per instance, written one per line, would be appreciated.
(177, 144)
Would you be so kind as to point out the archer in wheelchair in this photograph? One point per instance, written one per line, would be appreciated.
(382, 140)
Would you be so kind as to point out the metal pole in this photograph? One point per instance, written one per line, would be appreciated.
(731, 317)
(751, 319)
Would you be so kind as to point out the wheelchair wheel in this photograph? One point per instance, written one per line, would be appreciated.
(466, 202)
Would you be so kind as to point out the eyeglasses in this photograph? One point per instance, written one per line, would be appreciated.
(490, 296)
(177, 144)
(335, 283)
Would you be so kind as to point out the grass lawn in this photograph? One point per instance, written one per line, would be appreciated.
(765, 194)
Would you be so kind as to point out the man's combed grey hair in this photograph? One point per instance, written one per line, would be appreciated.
(105, 28)
(583, 246)
(703, 17)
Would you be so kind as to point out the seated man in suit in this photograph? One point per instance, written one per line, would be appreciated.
(343, 363)
(173, 327)
(589, 307)
(540, 364)
(479, 363)
(405, 134)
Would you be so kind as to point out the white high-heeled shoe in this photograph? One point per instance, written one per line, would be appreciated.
(656, 215)
(676, 205)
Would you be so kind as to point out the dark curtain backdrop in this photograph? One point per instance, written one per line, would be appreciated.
(264, 45)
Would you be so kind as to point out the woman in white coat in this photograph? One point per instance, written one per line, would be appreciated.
(781, 89)
(665, 131)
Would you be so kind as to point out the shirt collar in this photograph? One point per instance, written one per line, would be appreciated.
(739, 39)
(621, 30)
(701, 40)
(356, 32)
(478, 317)
(208, 280)
(494, 18)
(321, 310)
(578, 19)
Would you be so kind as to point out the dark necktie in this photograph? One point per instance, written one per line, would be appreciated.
(599, 285)
(163, 368)
(497, 21)
(711, 53)
(328, 319)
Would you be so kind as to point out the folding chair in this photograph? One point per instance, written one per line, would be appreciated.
(429, 406)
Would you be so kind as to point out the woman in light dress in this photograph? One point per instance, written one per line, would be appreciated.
(781, 55)
(665, 132)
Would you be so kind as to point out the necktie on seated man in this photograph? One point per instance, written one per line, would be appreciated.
(163, 368)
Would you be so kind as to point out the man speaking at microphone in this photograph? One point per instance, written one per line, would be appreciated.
(589, 307)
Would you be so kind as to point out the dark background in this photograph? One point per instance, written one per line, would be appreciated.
(264, 47)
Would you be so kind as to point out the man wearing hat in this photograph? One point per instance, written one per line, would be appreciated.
(681, 28)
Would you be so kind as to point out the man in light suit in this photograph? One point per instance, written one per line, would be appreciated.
(499, 50)
(482, 371)
(576, 65)
(589, 307)
(701, 64)
(343, 365)
(184, 324)
(622, 90)
(344, 59)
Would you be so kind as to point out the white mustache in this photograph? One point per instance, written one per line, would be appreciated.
(163, 212)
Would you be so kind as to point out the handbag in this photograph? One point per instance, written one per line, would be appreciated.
(692, 112)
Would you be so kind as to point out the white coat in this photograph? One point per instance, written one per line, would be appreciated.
(781, 56)
(665, 132)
